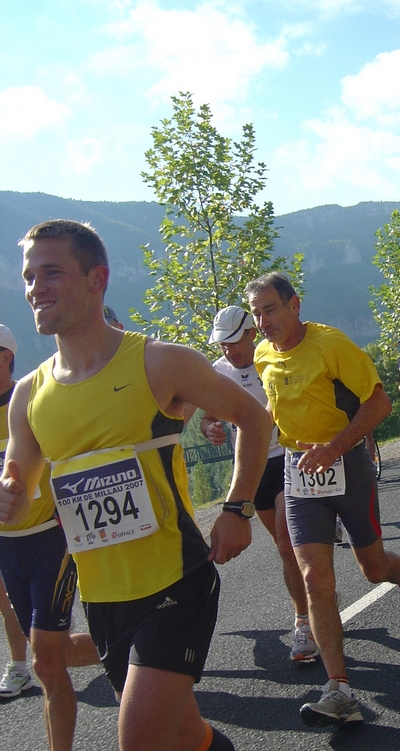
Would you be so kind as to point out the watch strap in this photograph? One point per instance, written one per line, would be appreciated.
(245, 509)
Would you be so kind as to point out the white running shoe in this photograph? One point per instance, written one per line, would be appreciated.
(304, 647)
(13, 682)
(333, 708)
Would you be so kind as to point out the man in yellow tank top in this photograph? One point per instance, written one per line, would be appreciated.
(106, 411)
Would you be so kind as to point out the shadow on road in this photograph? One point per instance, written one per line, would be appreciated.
(98, 693)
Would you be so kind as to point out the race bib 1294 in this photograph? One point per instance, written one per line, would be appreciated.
(102, 499)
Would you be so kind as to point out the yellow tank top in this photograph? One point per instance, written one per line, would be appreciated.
(42, 508)
(116, 407)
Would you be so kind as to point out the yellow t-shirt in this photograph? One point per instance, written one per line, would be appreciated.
(315, 388)
(42, 509)
(114, 408)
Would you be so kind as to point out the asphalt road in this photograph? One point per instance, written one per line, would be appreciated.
(250, 688)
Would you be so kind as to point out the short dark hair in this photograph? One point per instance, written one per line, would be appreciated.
(86, 245)
(274, 279)
(12, 361)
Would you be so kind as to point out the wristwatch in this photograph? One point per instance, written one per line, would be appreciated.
(245, 509)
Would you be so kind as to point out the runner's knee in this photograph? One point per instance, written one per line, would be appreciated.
(318, 583)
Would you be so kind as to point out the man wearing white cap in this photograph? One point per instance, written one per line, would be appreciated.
(234, 331)
(40, 578)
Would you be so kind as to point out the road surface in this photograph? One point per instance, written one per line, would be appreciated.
(250, 688)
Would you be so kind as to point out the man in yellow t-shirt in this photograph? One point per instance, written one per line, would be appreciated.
(325, 396)
(234, 331)
(106, 410)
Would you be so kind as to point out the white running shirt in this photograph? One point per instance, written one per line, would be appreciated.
(249, 379)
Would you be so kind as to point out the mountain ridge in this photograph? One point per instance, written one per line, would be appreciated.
(338, 244)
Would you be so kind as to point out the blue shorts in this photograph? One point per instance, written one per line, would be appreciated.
(170, 630)
(313, 520)
(40, 578)
(271, 484)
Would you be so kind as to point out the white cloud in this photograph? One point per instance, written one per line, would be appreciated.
(120, 5)
(310, 49)
(117, 60)
(74, 88)
(355, 144)
(26, 110)
(375, 90)
(336, 7)
(210, 50)
(338, 154)
(83, 154)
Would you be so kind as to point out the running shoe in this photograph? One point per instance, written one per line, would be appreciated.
(333, 708)
(304, 647)
(13, 682)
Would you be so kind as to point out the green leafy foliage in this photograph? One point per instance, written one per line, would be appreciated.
(210, 482)
(386, 298)
(200, 489)
(387, 367)
(385, 306)
(217, 474)
(390, 427)
(216, 237)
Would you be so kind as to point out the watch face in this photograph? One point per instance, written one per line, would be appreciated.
(248, 509)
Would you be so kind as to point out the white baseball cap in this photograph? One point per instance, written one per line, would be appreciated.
(7, 339)
(229, 324)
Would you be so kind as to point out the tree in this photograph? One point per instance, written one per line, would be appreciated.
(216, 237)
(200, 490)
(386, 298)
(387, 368)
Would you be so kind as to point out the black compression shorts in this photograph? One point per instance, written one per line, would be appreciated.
(271, 484)
(40, 578)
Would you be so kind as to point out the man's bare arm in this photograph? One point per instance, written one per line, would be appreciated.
(23, 464)
(188, 412)
(178, 374)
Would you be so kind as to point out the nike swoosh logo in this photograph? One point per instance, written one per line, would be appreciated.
(119, 388)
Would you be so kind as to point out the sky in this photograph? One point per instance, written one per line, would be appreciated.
(82, 82)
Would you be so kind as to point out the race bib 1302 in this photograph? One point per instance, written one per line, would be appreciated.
(319, 484)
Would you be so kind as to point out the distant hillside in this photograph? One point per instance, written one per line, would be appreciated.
(338, 244)
(123, 227)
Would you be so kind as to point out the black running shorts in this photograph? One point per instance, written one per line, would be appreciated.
(314, 520)
(170, 630)
(271, 484)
